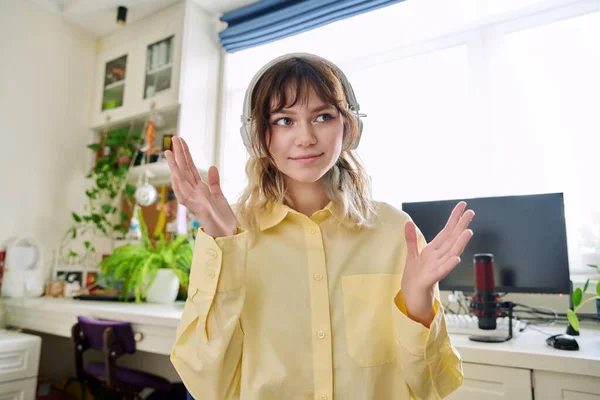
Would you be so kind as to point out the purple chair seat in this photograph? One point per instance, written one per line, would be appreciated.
(130, 376)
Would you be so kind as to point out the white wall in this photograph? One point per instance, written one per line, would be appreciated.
(46, 77)
(46, 91)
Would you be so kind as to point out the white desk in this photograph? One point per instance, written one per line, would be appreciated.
(156, 323)
(526, 368)
(529, 350)
(513, 369)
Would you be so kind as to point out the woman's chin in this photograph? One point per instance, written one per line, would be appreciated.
(305, 177)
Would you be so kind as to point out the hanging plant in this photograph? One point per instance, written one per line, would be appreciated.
(115, 154)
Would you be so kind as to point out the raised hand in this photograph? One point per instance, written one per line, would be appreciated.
(206, 200)
(423, 270)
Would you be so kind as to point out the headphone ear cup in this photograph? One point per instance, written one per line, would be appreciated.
(246, 138)
(359, 124)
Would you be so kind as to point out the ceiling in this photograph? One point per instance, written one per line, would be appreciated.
(98, 17)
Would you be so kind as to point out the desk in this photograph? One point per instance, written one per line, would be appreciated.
(156, 323)
(515, 370)
(526, 368)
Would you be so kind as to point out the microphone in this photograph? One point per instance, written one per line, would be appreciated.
(484, 303)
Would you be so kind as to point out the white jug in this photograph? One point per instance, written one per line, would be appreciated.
(23, 269)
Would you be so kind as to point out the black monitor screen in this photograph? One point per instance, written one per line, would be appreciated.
(526, 235)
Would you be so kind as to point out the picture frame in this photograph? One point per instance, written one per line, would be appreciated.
(71, 278)
(91, 278)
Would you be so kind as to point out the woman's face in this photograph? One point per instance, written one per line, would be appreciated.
(306, 139)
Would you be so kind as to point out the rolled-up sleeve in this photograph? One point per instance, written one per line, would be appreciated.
(431, 365)
(207, 351)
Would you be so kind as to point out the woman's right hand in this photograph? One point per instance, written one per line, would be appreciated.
(205, 200)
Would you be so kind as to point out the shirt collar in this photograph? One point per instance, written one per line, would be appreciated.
(278, 211)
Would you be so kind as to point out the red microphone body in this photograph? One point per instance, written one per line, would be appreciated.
(485, 302)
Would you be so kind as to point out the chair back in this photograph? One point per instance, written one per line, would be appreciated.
(93, 330)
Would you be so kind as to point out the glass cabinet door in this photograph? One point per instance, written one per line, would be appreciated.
(114, 83)
(159, 67)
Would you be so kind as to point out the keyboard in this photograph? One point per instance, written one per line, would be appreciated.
(467, 325)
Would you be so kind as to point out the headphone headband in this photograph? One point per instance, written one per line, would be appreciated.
(246, 117)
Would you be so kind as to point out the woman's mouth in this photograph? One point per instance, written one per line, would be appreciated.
(307, 158)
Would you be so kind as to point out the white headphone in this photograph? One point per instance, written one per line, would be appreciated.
(353, 106)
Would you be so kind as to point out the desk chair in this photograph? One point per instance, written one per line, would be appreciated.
(105, 379)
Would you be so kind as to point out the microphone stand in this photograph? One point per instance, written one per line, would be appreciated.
(504, 305)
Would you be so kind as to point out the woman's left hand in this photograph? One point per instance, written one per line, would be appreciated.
(423, 270)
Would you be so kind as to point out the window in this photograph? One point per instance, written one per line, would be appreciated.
(476, 99)
(418, 134)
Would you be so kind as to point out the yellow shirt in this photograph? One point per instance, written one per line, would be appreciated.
(312, 311)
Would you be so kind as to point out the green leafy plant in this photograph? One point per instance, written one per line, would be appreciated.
(115, 154)
(134, 266)
(578, 303)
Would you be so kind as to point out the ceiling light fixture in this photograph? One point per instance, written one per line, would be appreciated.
(122, 15)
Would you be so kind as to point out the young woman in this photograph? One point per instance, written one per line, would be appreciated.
(311, 289)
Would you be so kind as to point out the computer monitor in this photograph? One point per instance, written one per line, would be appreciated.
(526, 234)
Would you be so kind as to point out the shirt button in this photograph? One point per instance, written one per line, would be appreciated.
(318, 276)
(312, 230)
(211, 274)
(211, 253)
(320, 334)
(323, 397)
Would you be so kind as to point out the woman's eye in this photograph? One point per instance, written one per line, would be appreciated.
(283, 121)
(324, 117)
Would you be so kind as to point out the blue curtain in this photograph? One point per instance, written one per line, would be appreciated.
(269, 20)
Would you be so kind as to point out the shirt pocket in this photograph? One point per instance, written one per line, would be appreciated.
(368, 317)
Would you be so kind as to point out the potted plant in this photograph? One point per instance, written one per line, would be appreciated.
(578, 303)
(151, 270)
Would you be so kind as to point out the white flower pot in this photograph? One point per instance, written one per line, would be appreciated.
(164, 288)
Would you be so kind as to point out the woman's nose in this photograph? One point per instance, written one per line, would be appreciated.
(306, 135)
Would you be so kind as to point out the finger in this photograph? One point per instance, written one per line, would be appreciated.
(214, 181)
(175, 170)
(190, 161)
(459, 246)
(450, 225)
(171, 161)
(462, 225)
(446, 268)
(410, 234)
(177, 188)
(181, 161)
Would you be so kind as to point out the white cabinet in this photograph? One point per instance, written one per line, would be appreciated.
(138, 67)
(553, 385)
(159, 48)
(19, 363)
(169, 62)
(113, 97)
(18, 390)
(493, 382)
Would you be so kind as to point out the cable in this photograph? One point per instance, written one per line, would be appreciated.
(447, 308)
(549, 321)
(547, 308)
(539, 330)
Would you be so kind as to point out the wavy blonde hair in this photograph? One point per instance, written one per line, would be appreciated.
(346, 183)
